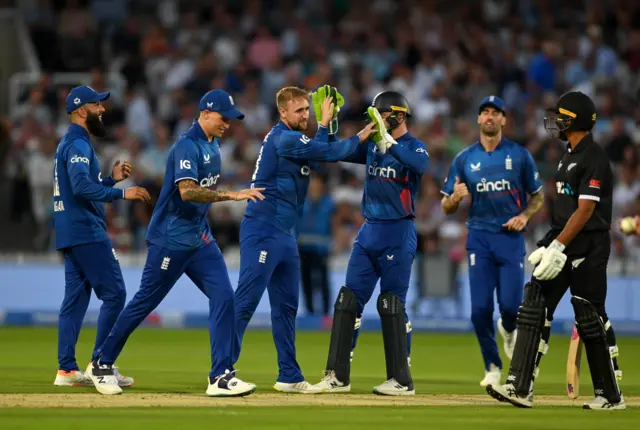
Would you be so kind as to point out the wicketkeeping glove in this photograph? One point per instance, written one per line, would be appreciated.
(338, 101)
(381, 137)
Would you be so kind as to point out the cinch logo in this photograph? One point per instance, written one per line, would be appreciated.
(383, 172)
(78, 159)
(487, 187)
(209, 181)
(562, 188)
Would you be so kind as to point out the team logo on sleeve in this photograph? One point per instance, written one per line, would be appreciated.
(594, 183)
(79, 159)
(185, 164)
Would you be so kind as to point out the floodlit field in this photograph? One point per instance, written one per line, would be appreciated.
(171, 367)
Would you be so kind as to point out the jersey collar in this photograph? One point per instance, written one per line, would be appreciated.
(78, 131)
(582, 145)
(498, 146)
(406, 136)
(196, 132)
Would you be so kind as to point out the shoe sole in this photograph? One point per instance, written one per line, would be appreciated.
(73, 384)
(396, 394)
(502, 398)
(295, 391)
(614, 408)
(337, 390)
(244, 393)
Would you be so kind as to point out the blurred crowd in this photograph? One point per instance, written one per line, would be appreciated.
(158, 57)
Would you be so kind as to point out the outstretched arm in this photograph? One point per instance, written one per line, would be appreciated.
(190, 191)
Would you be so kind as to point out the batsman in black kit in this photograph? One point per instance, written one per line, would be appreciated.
(574, 254)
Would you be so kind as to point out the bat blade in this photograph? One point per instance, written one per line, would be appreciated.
(574, 359)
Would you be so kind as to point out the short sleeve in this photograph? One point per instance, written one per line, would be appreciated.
(592, 179)
(532, 182)
(185, 161)
(450, 180)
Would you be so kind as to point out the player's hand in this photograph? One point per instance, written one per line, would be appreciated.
(460, 191)
(121, 172)
(137, 193)
(249, 194)
(552, 262)
(327, 107)
(517, 223)
(536, 256)
(367, 131)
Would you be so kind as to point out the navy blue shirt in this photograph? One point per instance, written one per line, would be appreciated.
(79, 191)
(393, 178)
(177, 224)
(283, 167)
(498, 182)
(315, 227)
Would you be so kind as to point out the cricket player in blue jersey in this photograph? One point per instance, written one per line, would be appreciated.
(498, 174)
(180, 242)
(90, 262)
(383, 250)
(269, 256)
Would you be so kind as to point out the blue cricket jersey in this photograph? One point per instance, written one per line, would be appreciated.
(283, 168)
(315, 227)
(79, 191)
(393, 179)
(498, 182)
(177, 224)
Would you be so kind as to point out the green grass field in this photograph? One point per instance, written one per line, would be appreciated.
(171, 367)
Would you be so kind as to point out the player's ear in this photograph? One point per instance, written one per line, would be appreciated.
(503, 121)
(478, 120)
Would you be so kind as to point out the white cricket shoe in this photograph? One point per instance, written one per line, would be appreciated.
(394, 388)
(509, 339)
(297, 387)
(331, 384)
(123, 381)
(507, 393)
(72, 378)
(600, 403)
(104, 378)
(227, 385)
(491, 376)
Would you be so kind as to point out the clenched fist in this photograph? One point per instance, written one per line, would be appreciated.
(460, 191)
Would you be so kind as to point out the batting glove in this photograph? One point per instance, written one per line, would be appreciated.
(338, 101)
(552, 261)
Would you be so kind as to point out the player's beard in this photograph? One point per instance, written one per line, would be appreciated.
(301, 125)
(95, 125)
(490, 130)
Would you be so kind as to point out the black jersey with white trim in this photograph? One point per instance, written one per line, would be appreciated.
(584, 173)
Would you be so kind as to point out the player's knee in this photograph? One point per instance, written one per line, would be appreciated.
(390, 304)
(224, 296)
(346, 300)
(481, 316)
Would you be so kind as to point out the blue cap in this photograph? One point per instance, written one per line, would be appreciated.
(79, 96)
(220, 101)
(493, 101)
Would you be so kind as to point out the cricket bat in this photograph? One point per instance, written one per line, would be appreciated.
(573, 365)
